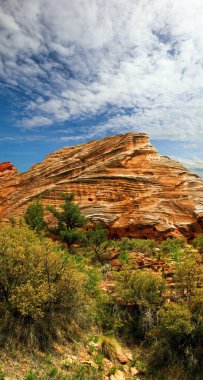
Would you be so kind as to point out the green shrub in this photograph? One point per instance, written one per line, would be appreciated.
(140, 245)
(173, 248)
(34, 217)
(198, 243)
(175, 322)
(84, 372)
(109, 347)
(42, 290)
(141, 287)
(124, 255)
(171, 338)
(31, 376)
(187, 276)
(139, 294)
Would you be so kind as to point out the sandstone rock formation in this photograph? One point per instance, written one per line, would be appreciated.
(9, 179)
(120, 180)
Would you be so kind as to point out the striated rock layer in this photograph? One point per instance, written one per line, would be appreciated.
(9, 179)
(120, 180)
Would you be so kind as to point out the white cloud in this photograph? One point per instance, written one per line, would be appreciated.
(36, 121)
(87, 57)
(195, 164)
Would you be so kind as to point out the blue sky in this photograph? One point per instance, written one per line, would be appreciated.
(73, 71)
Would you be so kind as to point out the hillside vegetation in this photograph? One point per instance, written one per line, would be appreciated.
(76, 305)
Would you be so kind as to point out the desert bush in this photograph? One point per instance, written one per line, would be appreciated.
(187, 275)
(175, 322)
(195, 352)
(173, 248)
(140, 245)
(139, 294)
(198, 243)
(42, 290)
(109, 347)
(141, 287)
(173, 339)
(109, 315)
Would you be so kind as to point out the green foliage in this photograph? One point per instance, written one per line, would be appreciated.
(141, 287)
(46, 294)
(139, 294)
(139, 245)
(173, 247)
(124, 255)
(31, 376)
(92, 282)
(175, 340)
(82, 372)
(109, 316)
(42, 291)
(198, 243)
(175, 322)
(69, 220)
(187, 275)
(12, 221)
(196, 307)
(109, 347)
(97, 240)
(34, 217)
(53, 372)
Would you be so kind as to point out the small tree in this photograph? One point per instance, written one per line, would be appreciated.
(97, 240)
(69, 220)
(34, 217)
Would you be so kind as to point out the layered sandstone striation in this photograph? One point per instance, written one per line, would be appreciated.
(9, 179)
(120, 180)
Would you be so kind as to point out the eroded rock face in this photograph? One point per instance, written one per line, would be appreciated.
(9, 179)
(120, 180)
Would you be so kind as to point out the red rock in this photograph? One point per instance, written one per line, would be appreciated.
(116, 263)
(9, 180)
(120, 180)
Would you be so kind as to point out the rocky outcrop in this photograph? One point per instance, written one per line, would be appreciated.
(120, 180)
(9, 179)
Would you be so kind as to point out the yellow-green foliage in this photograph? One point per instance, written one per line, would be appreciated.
(140, 245)
(175, 321)
(198, 243)
(187, 275)
(109, 347)
(40, 285)
(141, 287)
(139, 294)
(173, 248)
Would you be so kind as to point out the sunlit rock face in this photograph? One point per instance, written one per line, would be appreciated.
(9, 179)
(120, 180)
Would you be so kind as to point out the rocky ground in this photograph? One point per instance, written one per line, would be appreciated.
(69, 362)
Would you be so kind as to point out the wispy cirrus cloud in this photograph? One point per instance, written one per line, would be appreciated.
(195, 164)
(138, 62)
